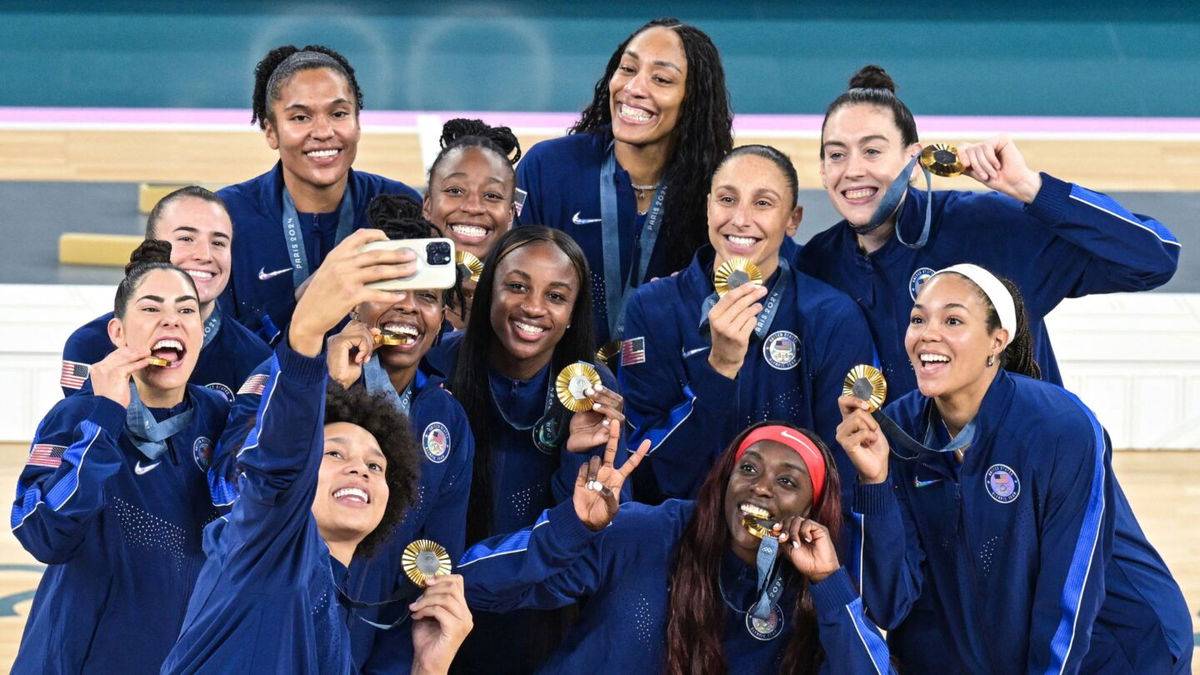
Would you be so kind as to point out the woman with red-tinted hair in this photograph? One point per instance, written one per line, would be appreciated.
(744, 579)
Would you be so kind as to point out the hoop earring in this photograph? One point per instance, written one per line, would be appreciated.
(991, 360)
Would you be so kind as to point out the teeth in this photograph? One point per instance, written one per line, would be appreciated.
(741, 241)
(755, 511)
(402, 329)
(352, 492)
(197, 274)
(526, 328)
(323, 153)
(168, 344)
(634, 114)
(860, 193)
(469, 230)
(934, 358)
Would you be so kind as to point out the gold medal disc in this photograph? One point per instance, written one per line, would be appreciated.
(571, 384)
(387, 339)
(736, 272)
(755, 526)
(608, 351)
(161, 363)
(473, 265)
(866, 383)
(424, 559)
(942, 160)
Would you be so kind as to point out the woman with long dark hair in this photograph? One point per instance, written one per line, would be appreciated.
(994, 498)
(745, 579)
(530, 319)
(1055, 239)
(629, 179)
(697, 366)
(287, 220)
(113, 496)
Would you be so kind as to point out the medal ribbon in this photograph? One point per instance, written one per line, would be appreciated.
(770, 581)
(547, 431)
(893, 430)
(616, 291)
(212, 325)
(294, 236)
(148, 435)
(377, 381)
(891, 202)
(767, 316)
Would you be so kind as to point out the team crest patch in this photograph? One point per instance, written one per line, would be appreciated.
(1002, 483)
(202, 451)
(225, 391)
(918, 279)
(782, 350)
(768, 628)
(436, 442)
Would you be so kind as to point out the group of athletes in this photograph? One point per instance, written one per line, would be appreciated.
(254, 438)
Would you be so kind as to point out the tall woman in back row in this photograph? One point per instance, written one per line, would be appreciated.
(628, 181)
(1003, 544)
(1055, 239)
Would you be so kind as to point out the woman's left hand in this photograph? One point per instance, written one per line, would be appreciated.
(441, 621)
(589, 428)
(998, 164)
(807, 544)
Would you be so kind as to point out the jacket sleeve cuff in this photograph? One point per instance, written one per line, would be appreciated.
(308, 370)
(1050, 204)
(569, 531)
(874, 499)
(833, 593)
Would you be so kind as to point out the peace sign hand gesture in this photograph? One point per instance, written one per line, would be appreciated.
(599, 483)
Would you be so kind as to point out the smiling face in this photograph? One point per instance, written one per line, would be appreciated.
(769, 476)
(750, 210)
(862, 154)
(162, 317)
(948, 341)
(532, 301)
(352, 493)
(416, 315)
(471, 198)
(200, 233)
(646, 90)
(314, 126)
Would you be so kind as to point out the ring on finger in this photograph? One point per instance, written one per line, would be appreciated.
(594, 485)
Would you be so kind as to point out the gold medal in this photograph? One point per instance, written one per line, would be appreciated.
(424, 559)
(866, 383)
(571, 384)
(608, 351)
(941, 159)
(161, 363)
(473, 265)
(736, 272)
(759, 527)
(387, 339)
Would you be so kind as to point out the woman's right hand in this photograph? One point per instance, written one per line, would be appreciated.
(339, 285)
(110, 376)
(860, 436)
(346, 352)
(730, 322)
(598, 484)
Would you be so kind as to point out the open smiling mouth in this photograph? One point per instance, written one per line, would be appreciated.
(167, 353)
(398, 335)
(756, 520)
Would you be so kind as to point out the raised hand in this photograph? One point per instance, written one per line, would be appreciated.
(598, 485)
(731, 321)
(860, 436)
(441, 621)
(590, 427)
(347, 351)
(807, 544)
(110, 376)
(998, 164)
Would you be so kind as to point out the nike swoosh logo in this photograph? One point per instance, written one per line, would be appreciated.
(925, 483)
(139, 469)
(263, 274)
(697, 350)
(583, 221)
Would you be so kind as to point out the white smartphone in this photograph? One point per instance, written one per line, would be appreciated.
(435, 263)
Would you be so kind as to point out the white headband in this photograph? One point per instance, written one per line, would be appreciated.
(995, 291)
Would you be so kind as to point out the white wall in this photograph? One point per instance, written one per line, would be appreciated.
(1134, 358)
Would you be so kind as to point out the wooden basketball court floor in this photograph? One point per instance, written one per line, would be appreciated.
(1163, 487)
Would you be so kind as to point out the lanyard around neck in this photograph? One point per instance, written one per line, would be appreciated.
(294, 235)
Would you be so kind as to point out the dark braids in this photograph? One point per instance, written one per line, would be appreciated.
(399, 216)
(872, 85)
(278, 66)
(150, 255)
(465, 133)
(703, 135)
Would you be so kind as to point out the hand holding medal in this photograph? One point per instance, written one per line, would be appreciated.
(998, 164)
(863, 393)
(598, 485)
(346, 352)
(110, 376)
(441, 618)
(811, 550)
(595, 406)
(732, 320)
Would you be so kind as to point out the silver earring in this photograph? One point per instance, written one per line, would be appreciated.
(991, 360)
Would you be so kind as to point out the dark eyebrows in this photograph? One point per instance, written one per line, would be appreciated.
(664, 64)
(185, 298)
(463, 174)
(332, 104)
(193, 230)
(152, 298)
(796, 467)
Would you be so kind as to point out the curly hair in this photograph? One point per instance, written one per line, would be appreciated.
(704, 134)
(375, 414)
(467, 133)
(150, 255)
(278, 66)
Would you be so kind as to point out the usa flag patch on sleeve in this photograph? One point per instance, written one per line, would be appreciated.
(44, 454)
(73, 374)
(254, 385)
(633, 351)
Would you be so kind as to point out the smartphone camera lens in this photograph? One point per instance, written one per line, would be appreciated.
(438, 253)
